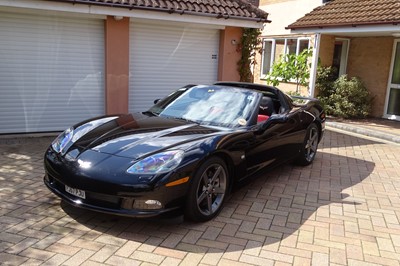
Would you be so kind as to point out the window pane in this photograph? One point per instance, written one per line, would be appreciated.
(303, 45)
(394, 102)
(396, 66)
(267, 53)
(291, 46)
(279, 49)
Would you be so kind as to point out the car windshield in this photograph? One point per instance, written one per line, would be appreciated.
(213, 105)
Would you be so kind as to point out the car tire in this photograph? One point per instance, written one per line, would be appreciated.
(309, 147)
(208, 190)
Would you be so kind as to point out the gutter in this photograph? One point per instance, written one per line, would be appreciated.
(337, 25)
(169, 11)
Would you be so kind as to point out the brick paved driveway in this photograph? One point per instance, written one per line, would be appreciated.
(343, 209)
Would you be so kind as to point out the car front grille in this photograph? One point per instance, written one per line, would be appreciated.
(92, 198)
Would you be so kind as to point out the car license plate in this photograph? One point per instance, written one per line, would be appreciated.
(76, 192)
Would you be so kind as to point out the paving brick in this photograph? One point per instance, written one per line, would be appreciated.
(103, 254)
(11, 259)
(111, 240)
(298, 261)
(24, 244)
(256, 260)
(57, 259)
(11, 238)
(127, 249)
(94, 246)
(37, 254)
(233, 252)
(170, 253)
(79, 257)
(276, 257)
(147, 257)
(228, 262)
(370, 248)
(212, 257)
(211, 233)
(117, 261)
(212, 244)
(192, 237)
(192, 259)
(320, 259)
(381, 261)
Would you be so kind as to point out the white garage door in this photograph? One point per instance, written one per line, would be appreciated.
(51, 71)
(166, 57)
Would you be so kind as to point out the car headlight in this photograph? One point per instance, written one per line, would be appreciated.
(62, 140)
(158, 163)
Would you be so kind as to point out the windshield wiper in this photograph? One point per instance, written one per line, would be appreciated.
(180, 118)
(151, 113)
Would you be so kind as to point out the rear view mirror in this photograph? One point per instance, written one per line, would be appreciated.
(156, 101)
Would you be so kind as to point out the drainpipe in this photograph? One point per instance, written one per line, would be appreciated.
(314, 65)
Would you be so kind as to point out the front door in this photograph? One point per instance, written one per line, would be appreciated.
(392, 106)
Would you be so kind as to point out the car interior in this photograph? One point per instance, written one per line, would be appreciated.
(266, 109)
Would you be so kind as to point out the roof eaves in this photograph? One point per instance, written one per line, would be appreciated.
(337, 25)
(126, 4)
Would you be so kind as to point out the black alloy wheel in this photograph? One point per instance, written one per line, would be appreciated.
(208, 190)
(309, 147)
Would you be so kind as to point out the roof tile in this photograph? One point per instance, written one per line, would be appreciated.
(226, 8)
(347, 12)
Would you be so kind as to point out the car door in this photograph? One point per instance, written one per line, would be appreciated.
(278, 142)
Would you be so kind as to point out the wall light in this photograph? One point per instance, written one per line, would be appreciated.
(234, 42)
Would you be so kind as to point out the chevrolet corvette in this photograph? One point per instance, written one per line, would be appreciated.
(185, 153)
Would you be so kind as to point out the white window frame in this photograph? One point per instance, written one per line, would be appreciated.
(273, 50)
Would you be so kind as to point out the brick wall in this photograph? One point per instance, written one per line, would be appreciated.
(369, 59)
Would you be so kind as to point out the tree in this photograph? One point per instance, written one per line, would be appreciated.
(291, 67)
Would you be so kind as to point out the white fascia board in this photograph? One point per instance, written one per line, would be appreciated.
(134, 13)
(360, 29)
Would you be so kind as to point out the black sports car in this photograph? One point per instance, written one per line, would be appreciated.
(185, 152)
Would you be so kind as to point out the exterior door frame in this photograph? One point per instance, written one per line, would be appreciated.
(344, 55)
(390, 85)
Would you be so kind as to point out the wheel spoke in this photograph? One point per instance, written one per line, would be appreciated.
(209, 204)
(204, 179)
(202, 196)
(219, 191)
(216, 174)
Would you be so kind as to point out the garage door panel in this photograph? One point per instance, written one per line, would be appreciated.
(50, 66)
(164, 58)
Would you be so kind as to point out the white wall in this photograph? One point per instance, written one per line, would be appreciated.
(285, 12)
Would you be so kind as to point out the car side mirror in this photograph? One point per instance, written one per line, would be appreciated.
(274, 119)
(156, 101)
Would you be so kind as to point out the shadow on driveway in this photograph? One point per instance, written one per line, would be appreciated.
(272, 208)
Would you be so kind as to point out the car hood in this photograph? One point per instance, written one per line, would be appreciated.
(137, 135)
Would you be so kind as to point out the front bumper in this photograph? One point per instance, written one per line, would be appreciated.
(109, 191)
(111, 204)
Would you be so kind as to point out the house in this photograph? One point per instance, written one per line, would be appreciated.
(277, 40)
(63, 61)
(359, 38)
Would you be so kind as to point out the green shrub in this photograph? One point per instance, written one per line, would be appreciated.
(351, 98)
(324, 86)
(346, 98)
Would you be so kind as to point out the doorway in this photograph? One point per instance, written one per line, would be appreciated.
(340, 55)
